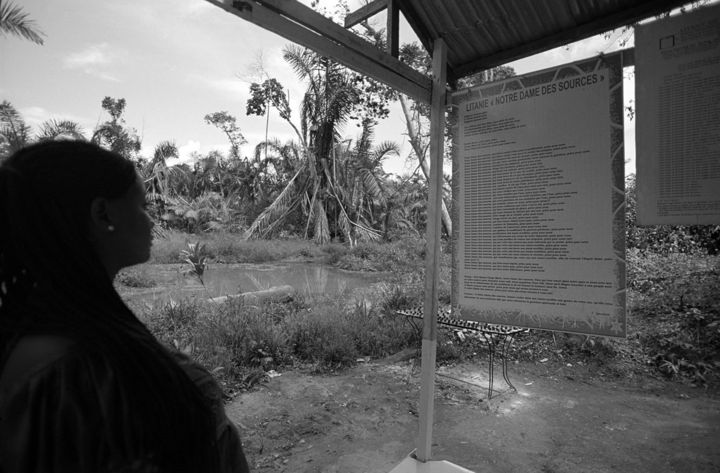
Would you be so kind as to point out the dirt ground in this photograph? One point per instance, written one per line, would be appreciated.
(560, 420)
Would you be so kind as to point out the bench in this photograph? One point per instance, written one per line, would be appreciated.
(494, 335)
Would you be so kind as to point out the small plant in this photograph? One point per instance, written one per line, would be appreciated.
(197, 259)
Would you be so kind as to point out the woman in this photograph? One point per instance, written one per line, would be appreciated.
(84, 386)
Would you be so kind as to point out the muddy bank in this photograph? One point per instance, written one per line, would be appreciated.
(366, 420)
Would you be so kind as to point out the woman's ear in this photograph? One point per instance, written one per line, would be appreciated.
(100, 222)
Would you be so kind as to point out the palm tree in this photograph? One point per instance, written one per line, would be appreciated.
(273, 165)
(14, 132)
(156, 173)
(360, 184)
(406, 207)
(13, 20)
(326, 106)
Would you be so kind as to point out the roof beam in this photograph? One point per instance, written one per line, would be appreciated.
(365, 12)
(302, 25)
(323, 26)
(393, 28)
(624, 17)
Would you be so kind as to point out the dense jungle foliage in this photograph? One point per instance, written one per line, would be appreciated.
(334, 191)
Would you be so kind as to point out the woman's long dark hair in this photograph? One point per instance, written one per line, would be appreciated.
(52, 282)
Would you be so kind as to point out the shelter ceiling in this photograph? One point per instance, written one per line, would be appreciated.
(481, 34)
(478, 34)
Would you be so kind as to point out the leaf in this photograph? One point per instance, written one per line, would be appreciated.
(15, 21)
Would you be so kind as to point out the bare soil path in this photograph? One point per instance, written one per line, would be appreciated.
(560, 420)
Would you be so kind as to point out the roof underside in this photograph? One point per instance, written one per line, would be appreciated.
(478, 34)
(481, 34)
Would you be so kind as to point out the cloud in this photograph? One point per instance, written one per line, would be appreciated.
(230, 88)
(192, 8)
(34, 116)
(188, 151)
(96, 60)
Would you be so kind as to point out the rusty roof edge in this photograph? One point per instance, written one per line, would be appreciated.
(422, 33)
(623, 17)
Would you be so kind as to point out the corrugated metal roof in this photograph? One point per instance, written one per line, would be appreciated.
(484, 33)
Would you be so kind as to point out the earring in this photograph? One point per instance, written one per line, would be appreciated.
(111, 228)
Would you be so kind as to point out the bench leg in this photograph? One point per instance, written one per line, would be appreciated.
(506, 344)
(491, 368)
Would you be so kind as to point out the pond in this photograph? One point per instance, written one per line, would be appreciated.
(308, 279)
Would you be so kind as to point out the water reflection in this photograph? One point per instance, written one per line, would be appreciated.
(306, 279)
(222, 280)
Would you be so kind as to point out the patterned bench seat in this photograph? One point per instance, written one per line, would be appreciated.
(494, 334)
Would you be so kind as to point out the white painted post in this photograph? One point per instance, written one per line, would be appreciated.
(434, 247)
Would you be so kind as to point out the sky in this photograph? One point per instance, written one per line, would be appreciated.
(174, 61)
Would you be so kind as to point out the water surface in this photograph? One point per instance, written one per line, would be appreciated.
(308, 279)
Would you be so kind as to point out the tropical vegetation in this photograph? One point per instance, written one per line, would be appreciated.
(324, 195)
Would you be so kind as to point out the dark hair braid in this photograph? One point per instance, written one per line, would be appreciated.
(52, 281)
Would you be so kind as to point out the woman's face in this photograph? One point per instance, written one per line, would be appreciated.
(128, 236)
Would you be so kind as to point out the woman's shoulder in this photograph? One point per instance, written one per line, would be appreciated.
(199, 375)
(33, 354)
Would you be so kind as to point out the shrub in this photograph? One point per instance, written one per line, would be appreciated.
(676, 298)
(249, 337)
(238, 339)
(135, 277)
(319, 335)
(397, 256)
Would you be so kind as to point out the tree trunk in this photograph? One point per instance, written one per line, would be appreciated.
(420, 152)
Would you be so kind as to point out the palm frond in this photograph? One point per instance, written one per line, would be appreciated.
(13, 20)
(311, 207)
(304, 62)
(385, 150)
(272, 144)
(14, 133)
(9, 114)
(372, 185)
(299, 60)
(288, 198)
(344, 224)
(60, 129)
(165, 150)
(366, 233)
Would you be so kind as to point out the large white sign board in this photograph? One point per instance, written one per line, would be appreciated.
(538, 200)
(677, 65)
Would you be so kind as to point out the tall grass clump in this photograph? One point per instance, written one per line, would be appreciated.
(241, 337)
(233, 340)
(334, 333)
(236, 340)
(226, 247)
(398, 256)
(174, 322)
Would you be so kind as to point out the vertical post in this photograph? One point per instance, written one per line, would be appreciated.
(393, 26)
(432, 257)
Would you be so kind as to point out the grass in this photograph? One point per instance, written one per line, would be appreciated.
(225, 247)
(237, 341)
(673, 316)
(137, 277)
